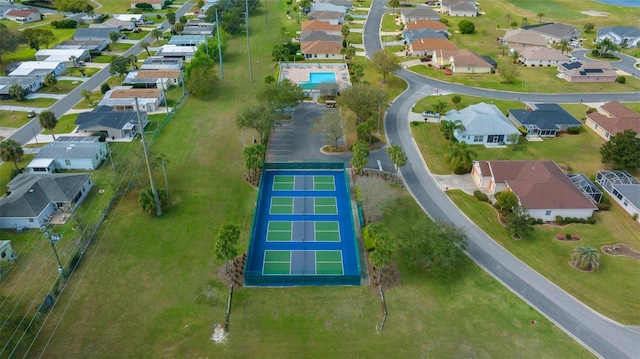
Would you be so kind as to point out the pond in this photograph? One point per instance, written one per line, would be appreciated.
(631, 3)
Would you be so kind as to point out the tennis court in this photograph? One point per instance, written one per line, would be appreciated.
(303, 230)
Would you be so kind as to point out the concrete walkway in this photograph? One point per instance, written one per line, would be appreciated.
(73, 78)
(45, 95)
(21, 108)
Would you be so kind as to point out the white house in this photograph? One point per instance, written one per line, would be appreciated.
(542, 56)
(28, 83)
(459, 7)
(178, 52)
(122, 98)
(154, 78)
(33, 197)
(321, 50)
(621, 35)
(70, 153)
(39, 68)
(62, 55)
(6, 252)
(24, 15)
(541, 186)
(484, 124)
(119, 126)
(332, 17)
(419, 13)
(623, 188)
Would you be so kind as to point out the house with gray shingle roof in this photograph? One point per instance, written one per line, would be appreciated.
(620, 35)
(117, 125)
(484, 124)
(28, 83)
(70, 153)
(33, 197)
(554, 31)
(413, 35)
(419, 13)
(88, 34)
(544, 119)
(623, 188)
(542, 56)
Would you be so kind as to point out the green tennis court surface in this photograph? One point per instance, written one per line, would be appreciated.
(303, 231)
(325, 205)
(303, 183)
(281, 205)
(308, 262)
(303, 205)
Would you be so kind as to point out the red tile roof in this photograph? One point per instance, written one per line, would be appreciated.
(21, 12)
(320, 47)
(539, 184)
(320, 25)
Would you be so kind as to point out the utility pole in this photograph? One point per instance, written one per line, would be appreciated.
(110, 157)
(219, 46)
(55, 237)
(164, 93)
(146, 157)
(166, 179)
(246, 22)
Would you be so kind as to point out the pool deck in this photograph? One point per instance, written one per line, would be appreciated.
(299, 72)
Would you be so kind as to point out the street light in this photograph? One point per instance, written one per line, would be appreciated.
(55, 237)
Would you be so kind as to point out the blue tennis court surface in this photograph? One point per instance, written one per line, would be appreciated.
(303, 230)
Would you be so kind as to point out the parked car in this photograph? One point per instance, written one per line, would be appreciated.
(574, 44)
(425, 59)
(148, 22)
(31, 114)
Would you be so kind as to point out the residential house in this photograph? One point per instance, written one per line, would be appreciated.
(518, 39)
(155, 4)
(153, 78)
(621, 35)
(321, 50)
(587, 71)
(6, 252)
(320, 6)
(184, 53)
(348, 4)
(332, 17)
(461, 61)
(317, 25)
(484, 124)
(426, 46)
(459, 7)
(91, 45)
(23, 15)
(29, 83)
(542, 56)
(62, 55)
(39, 69)
(203, 28)
(623, 188)
(161, 63)
(419, 13)
(117, 125)
(70, 153)
(308, 36)
(135, 18)
(427, 24)
(555, 32)
(187, 40)
(34, 197)
(412, 35)
(541, 186)
(613, 118)
(91, 34)
(5, 7)
(118, 25)
(544, 120)
(122, 98)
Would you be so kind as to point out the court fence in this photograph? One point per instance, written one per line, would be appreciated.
(303, 166)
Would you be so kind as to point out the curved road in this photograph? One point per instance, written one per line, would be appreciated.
(26, 132)
(602, 336)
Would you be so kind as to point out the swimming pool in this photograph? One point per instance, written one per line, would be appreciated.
(320, 77)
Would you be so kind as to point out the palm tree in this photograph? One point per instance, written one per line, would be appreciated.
(87, 95)
(74, 59)
(503, 47)
(16, 91)
(349, 52)
(11, 151)
(514, 55)
(157, 33)
(564, 45)
(507, 17)
(179, 27)
(460, 156)
(114, 36)
(145, 45)
(448, 128)
(540, 16)
(607, 46)
(133, 58)
(49, 121)
(50, 80)
(586, 258)
(345, 30)
(440, 106)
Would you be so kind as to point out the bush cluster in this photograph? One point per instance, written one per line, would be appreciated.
(604, 206)
(621, 79)
(64, 24)
(568, 220)
(573, 130)
(480, 196)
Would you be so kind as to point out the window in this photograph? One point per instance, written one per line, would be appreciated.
(607, 135)
(596, 126)
(478, 138)
(67, 162)
(4, 254)
(626, 203)
(326, 55)
(30, 219)
(547, 213)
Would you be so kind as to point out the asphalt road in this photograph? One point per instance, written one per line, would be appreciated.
(600, 335)
(26, 132)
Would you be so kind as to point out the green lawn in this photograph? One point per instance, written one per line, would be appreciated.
(137, 35)
(61, 87)
(580, 153)
(531, 79)
(6, 170)
(13, 119)
(389, 22)
(120, 47)
(35, 102)
(427, 103)
(354, 38)
(606, 290)
(75, 71)
(65, 125)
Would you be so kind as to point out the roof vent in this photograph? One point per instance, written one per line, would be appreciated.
(31, 190)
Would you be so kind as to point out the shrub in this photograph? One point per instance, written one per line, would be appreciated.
(568, 220)
(104, 88)
(492, 70)
(573, 130)
(444, 21)
(461, 170)
(603, 206)
(567, 236)
(64, 24)
(480, 196)
(531, 220)
(591, 220)
(369, 245)
(582, 221)
(575, 220)
(144, 6)
(559, 219)
(621, 79)
(635, 216)
(539, 221)
(158, 16)
(591, 110)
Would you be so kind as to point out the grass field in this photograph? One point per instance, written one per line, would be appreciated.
(605, 290)
(65, 125)
(34, 102)
(61, 87)
(13, 119)
(427, 103)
